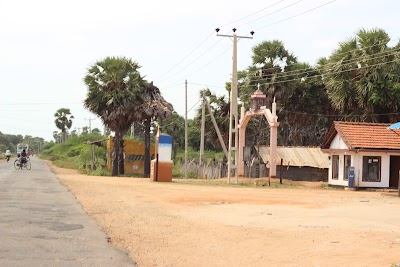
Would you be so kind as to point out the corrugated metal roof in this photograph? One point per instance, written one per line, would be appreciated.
(297, 156)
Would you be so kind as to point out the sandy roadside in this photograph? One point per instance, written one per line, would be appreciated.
(171, 224)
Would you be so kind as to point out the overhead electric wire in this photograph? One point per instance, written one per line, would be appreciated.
(188, 54)
(218, 41)
(306, 70)
(276, 11)
(353, 50)
(349, 62)
(172, 122)
(252, 14)
(209, 62)
(337, 72)
(332, 115)
(187, 65)
(297, 15)
(202, 67)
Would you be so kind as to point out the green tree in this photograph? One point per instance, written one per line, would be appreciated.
(153, 107)
(114, 85)
(63, 121)
(96, 131)
(362, 77)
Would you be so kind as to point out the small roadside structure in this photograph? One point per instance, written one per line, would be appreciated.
(133, 155)
(298, 163)
(370, 150)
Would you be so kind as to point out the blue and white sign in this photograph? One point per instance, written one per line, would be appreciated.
(164, 148)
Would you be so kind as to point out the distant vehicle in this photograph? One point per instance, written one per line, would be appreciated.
(21, 147)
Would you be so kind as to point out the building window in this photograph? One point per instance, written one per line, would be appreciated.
(371, 169)
(347, 164)
(335, 167)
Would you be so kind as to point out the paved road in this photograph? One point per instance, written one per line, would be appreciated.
(42, 224)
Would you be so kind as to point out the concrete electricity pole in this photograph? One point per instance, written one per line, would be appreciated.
(203, 121)
(90, 124)
(233, 114)
(186, 131)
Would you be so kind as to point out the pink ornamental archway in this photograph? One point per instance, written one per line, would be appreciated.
(258, 98)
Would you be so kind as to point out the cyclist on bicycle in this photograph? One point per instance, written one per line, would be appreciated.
(23, 156)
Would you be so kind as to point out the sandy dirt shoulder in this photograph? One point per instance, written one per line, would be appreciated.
(172, 224)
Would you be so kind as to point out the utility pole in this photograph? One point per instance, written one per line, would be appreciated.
(186, 131)
(233, 114)
(203, 122)
(90, 124)
(133, 129)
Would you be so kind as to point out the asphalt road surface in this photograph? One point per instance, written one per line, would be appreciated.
(42, 224)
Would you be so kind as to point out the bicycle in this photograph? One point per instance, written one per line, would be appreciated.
(18, 164)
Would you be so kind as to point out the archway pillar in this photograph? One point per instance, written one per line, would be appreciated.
(272, 119)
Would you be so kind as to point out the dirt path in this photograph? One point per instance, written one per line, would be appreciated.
(170, 224)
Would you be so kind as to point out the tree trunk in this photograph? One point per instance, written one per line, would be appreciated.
(121, 155)
(146, 167)
(115, 155)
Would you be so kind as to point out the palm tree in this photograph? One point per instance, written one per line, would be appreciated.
(63, 121)
(153, 106)
(114, 85)
(362, 77)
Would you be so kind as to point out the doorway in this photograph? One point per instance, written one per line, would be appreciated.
(394, 171)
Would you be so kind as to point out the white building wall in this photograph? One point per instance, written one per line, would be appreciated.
(338, 143)
(385, 170)
(340, 181)
(357, 163)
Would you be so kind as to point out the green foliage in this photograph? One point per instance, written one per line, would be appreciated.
(362, 77)
(74, 153)
(9, 141)
(63, 121)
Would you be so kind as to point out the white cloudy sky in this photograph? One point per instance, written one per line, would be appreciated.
(46, 46)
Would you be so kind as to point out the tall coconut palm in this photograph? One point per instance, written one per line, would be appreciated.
(114, 85)
(63, 121)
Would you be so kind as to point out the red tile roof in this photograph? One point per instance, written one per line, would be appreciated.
(363, 135)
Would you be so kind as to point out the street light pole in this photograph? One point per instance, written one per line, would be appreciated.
(233, 114)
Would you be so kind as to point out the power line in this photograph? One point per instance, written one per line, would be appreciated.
(337, 72)
(349, 62)
(245, 17)
(187, 55)
(302, 13)
(353, 50)
(340, 115)
(220, 40)
(305, 70)
(173, 122)
(202, 67)
(276, 11)
(187, 65)
(210, 61)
